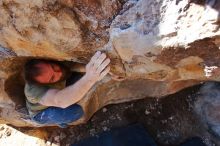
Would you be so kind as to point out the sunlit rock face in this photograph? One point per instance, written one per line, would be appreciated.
(158, 46)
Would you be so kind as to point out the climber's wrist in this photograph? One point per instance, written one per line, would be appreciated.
(90, 79)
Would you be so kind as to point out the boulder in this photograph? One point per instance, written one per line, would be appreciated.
(207, 107)
(158, 46)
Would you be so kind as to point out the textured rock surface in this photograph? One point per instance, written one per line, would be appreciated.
(159, 46)
(11, 136)
(208, 106)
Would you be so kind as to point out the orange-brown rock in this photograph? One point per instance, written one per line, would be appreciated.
(158, 46)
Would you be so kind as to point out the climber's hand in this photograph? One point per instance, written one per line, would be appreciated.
(98, 67)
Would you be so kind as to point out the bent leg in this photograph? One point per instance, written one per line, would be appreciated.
(59, 116)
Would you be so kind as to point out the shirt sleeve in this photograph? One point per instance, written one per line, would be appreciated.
(34, 93)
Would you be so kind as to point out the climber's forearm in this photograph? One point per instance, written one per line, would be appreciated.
(69, 95)
(96, 70)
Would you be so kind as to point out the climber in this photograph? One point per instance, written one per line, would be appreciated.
(49, 99)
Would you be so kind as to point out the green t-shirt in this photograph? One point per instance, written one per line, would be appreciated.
(34, 93)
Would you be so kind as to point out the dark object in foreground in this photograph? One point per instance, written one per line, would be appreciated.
(135, 135)
(193, 142)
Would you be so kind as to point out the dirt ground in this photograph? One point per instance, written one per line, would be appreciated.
(169, 120)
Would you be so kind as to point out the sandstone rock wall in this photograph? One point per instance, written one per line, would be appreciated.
(158, 46)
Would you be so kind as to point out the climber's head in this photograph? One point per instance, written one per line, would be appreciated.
(44, 71)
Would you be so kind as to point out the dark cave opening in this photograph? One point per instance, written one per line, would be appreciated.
(15, 83)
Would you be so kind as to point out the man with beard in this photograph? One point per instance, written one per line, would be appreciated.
(49, 99)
